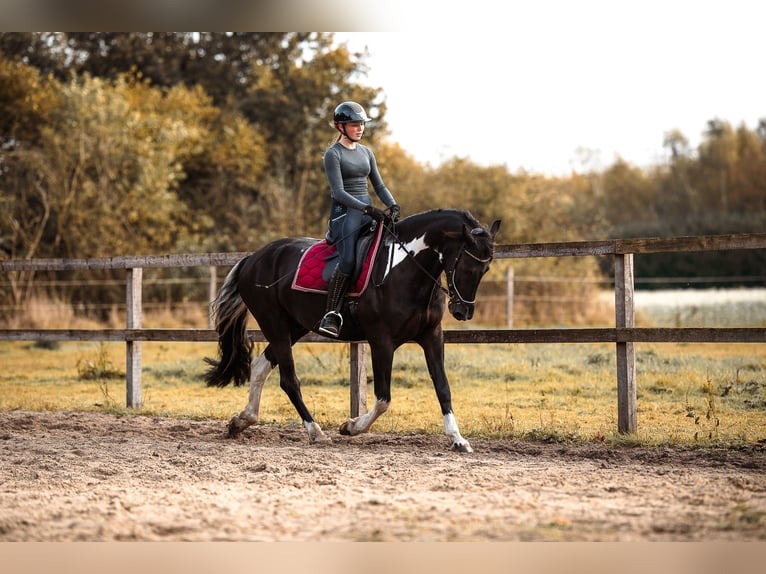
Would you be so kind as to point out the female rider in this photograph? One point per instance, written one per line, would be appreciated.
(348, 165)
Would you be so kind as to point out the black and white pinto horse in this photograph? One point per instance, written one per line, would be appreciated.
(404, 302)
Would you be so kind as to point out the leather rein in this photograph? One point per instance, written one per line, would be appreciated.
(451, 291)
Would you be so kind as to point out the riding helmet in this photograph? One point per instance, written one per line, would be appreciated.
(350, 112)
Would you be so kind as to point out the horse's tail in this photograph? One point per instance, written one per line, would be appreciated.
(234, 348)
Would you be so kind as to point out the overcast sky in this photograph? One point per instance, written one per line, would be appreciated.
(531, 87)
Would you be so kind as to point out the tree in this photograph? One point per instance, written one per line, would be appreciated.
(102, 179)
(629, 196)
(26, 98)
(26, 101)
(409, 181)
(677, 197)
(748, 177)
(284, 84)
(43, 51)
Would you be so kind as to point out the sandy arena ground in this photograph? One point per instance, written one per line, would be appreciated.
(97, 477)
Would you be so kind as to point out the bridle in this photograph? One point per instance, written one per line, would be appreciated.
(452, 289)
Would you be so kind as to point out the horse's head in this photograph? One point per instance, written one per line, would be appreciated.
(466, 262)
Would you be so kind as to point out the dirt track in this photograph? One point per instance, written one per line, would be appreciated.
(94, 477)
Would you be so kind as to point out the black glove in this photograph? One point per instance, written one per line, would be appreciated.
(394, 212)
(375, 213)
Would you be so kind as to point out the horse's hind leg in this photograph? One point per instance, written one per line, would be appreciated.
(260, 369)
(382, 359)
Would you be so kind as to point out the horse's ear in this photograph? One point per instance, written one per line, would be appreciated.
(494, 229)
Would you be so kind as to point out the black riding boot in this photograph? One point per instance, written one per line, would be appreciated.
(332, 322)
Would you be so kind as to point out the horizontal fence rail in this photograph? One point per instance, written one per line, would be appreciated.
(624, 335)
(486, 336)
(509, 251)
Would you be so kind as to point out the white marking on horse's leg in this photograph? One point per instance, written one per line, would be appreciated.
(315, 433)
(362, 423)
(260, 369)
(450, 428)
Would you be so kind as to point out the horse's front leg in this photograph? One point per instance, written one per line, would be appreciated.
(433, 348)
(291, 385)
(260, 369)
(382, 358)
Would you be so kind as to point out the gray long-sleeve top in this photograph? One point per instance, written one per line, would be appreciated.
(347, 173)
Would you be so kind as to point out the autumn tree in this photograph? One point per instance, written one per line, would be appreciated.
(284, 85)
(102, 177)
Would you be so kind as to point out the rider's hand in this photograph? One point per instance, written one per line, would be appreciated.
(375, 213)
(394, 212)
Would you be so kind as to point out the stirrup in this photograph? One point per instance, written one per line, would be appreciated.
(331, 324)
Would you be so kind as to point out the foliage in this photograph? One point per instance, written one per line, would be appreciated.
(134, 143)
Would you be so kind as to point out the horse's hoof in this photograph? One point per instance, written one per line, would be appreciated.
(235, 427)
(462, 447)
(319, 437)
(316, 436)
(344, 430)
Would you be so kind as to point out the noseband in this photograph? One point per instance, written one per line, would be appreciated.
(452, 289)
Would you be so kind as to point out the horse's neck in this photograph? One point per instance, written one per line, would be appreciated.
(412, 262)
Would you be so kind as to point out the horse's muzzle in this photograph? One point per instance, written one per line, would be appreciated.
(461, 311)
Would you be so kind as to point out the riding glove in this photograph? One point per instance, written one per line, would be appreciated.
(394, 213)
(375, 213)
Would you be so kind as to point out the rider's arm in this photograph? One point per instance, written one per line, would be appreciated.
(377, 182)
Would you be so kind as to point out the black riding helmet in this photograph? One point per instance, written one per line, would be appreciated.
(350, 112)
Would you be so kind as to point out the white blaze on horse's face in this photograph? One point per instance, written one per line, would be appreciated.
(397, 253)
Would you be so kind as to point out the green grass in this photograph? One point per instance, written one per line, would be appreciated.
(709, 394)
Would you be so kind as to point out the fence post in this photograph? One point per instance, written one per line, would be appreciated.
(626, 353)
(509, 298)
(211, 295)
(358, 379)
(133, 351)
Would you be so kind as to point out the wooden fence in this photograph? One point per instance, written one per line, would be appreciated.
(624, 334)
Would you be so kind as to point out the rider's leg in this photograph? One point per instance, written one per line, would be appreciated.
(332, 322)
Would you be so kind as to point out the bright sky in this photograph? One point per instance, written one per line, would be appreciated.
(532, 86)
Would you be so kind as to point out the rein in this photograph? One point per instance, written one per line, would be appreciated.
(409, 254)
(451, 291)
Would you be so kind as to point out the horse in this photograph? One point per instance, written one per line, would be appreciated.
(403, 302)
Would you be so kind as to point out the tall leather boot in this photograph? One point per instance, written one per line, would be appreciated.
(332, 322)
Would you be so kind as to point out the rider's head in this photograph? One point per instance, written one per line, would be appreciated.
(349, 119)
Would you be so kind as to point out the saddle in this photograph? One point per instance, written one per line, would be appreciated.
(318, 262)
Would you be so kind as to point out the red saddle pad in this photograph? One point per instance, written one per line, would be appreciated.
(308, 276)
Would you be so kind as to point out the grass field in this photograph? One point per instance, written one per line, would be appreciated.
(707, 394)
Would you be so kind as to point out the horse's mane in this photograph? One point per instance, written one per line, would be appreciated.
(444, 219)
